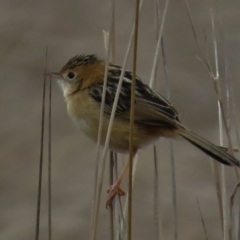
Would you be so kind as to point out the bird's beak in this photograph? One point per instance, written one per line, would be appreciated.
(52, 74)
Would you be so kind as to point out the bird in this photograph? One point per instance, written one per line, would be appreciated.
(81, 80)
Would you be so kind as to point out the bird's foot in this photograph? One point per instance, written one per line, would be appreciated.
(113, 191)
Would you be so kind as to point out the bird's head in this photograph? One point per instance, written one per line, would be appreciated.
(79, 72)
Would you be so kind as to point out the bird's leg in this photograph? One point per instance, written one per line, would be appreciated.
(115, 189)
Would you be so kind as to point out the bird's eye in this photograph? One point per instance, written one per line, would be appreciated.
(71, 75)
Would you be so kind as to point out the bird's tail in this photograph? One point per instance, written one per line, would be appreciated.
(209, 148)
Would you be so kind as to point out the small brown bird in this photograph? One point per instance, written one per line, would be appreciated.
(81, 80)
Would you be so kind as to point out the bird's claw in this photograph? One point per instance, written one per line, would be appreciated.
(112, 192)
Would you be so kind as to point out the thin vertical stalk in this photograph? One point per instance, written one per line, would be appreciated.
(106, 145)
(174, 191)
(157, 206)
(118, 212)
(95, 203)
(229, 115)
(111, 157)
(238, 232)
(156, 196)
(223, 179)
(122, 224)
(202, 220)
(231, 205)
(113, 36)
(231, 221)
(50, 161)
(111, 213)
(234, 111)
(173, 170)
(132, 151)
(111, 154)
(220, 120)
(158, 45)
(217, 179)
(41, 152)
(217, 84)
(235, 120)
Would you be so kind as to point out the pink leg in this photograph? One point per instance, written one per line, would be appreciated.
(115, 189)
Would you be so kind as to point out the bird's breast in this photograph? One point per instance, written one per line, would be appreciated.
(84, 112)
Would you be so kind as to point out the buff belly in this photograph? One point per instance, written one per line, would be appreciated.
(85, 112)
(119, 139)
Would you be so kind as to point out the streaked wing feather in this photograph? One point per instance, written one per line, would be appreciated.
(148, 114)
(151, 108)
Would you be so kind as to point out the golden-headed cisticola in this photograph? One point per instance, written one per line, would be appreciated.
(81, 80)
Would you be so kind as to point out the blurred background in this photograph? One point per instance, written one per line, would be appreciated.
(75, 27)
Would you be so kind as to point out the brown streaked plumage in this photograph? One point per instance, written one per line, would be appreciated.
(81, 80)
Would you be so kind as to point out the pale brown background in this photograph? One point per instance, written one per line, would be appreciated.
(75, 27)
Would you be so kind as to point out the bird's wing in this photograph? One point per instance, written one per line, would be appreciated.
(150, 109)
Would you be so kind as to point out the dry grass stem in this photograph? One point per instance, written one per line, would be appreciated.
(111, 212)
(41, 151)
(217, 85)
(233, 195)
(112, 161)
(157, 200)
(111, 154)
(50, 160)
(123, 219)
(203, 58)
(216, 173)
(202, 220)
(132, 116)
(107, 43)
(156, 207)
(100, 183)
(221, 119)
(95, 206)
(173, 170)
(152, 76)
